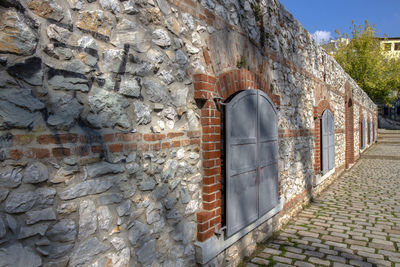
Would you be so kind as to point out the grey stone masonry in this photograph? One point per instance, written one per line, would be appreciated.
(354, 223)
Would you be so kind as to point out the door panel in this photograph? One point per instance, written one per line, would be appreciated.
(241, 161)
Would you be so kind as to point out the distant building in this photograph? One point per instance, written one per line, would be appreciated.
(391, 46)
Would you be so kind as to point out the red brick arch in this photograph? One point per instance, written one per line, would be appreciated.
(318, 110)
(209, 90)
(349, 125)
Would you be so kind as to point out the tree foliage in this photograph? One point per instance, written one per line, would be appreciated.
(365, 61)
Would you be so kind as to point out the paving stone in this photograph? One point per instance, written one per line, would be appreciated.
(260, 261)
(360, 263)
(272, 251)
(338, 264)
(319, 261)
(295, 256)
(294, 250)
(379, 262)
(336, 258)
(314, 254)
(282, 259)
(328, 251)
(303, 264)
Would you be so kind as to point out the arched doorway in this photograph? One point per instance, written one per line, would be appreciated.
(251, 136)
(349, 132)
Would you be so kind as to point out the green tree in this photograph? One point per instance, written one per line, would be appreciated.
(364, 60)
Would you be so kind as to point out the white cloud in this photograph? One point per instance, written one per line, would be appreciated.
(322, 36)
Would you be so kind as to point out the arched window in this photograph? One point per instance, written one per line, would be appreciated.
(327, 142)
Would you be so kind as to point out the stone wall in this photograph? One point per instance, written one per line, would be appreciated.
(110, 130)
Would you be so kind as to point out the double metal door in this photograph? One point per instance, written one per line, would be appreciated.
(328, 141)
(251, 158)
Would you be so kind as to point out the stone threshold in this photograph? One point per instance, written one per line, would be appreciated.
(209, 249)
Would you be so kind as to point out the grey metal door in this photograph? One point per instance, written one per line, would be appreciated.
(362, 133)
(369, 132)
(374, 131)
(328, 141)
(251, 158)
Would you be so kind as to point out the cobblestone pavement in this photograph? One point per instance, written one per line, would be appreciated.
(356, 222)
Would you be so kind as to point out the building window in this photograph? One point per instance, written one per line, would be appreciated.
(397, 46)
(388, 46)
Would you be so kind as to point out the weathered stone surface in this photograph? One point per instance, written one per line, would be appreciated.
(28, 231)
(58, 33)
(21, 97)
(160, 192)
(63, 82)
(67, 208)
(96, 21)
(185, 197)
(3, 194)
(146, 253)
(129, 7)
(35, 173)
(121, 258)
(132, 34)
(48, 9)
(87, 219)
(164, 7)
(180, 57)
(147, 184)
(103, 168)
(169, 169)
(156, 91)
(12, 223)
(124, 208)
(61, 53)
(15, 35)
(3, 229)
(86, 188)
(143, 112)
(17, 255)
(87, 251)
(65, 111)
(130, 86)
(138, 232)
(188, 20)
(156, 56)
(161, 38)
(112, 60)
(110, 198)
(35, 216)
(30, 70)
(20, 201)
(10, 178)
(192, 49)
(179, 94)
(55, 250)
(109, 110)
(63, 231)
(76, 4)
(112, 5)
(45, 196)
(12, 116)
(104, 218)
(118, 243)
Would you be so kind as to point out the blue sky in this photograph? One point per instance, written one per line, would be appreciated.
(327, 15)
